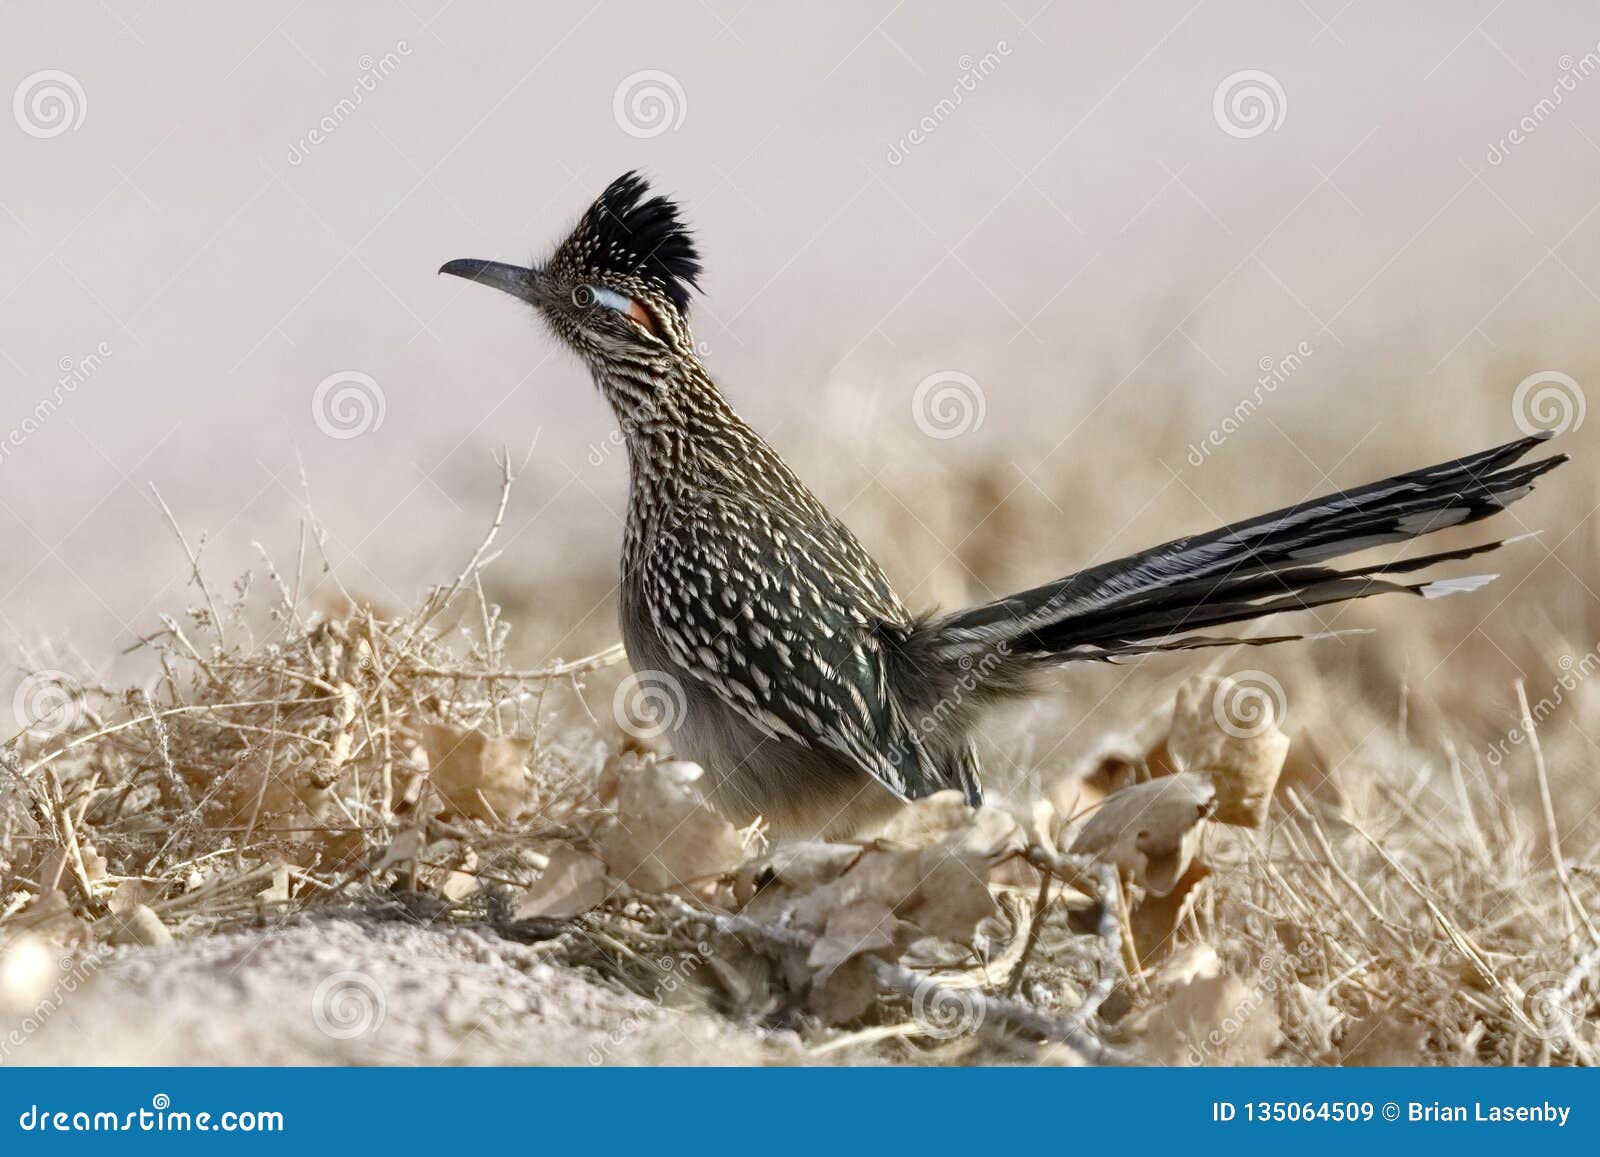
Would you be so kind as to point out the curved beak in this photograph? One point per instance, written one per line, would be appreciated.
(513, 279)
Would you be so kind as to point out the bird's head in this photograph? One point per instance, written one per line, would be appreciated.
(617, 289)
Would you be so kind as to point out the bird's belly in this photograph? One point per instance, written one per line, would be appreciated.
(802, 792)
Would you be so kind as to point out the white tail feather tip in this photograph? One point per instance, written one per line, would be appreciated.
(1456, 586)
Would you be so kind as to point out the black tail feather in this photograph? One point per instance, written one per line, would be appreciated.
(1250, 569)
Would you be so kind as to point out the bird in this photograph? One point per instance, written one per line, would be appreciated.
(811, 696)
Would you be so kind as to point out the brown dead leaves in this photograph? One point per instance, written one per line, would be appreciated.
(478, 777)
(844, 906)
(662, 837)
(1218, 763)
(1150, 831)
(927, 877)
(1226, 729)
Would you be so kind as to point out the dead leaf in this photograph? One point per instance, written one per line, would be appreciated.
(276, 892)
(1042, 821)
(572, 883)
(401, 850)
(137, 925)
(810, 864)
(1181, 969)
(946, 818)
(461, 881)
(665, 836)
(744, 976)
(478, 777)
(791, 868)
(845, 993)
(1154, 922)
(1227, 729)
(869, 926)
(1213, 1020)
(129, 894)
(931, 891)
(94, 864)
(1150, 830)
(50, 915)
(951, 897)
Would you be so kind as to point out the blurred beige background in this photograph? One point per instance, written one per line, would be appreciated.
(207, 213)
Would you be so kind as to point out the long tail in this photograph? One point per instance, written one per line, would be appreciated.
(1149, 601)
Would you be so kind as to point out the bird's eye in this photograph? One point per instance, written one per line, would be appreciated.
(585, 296)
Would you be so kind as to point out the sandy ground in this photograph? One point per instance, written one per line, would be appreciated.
(349, 990)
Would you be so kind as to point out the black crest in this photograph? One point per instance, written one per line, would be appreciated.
(625, 233)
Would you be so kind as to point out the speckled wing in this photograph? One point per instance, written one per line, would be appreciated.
(783, 615)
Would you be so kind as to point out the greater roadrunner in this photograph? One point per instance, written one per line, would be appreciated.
(811, 695)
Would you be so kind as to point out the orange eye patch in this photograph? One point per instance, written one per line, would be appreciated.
(643, 316)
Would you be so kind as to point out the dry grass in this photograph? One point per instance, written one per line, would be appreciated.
(1423, 891)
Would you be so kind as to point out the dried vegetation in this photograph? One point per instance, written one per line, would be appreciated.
(1208, 887)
